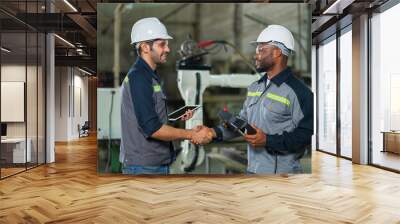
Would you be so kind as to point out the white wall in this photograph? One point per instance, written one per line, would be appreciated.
(12, 73)
(33, 126)
(17, 73)
(71, 93)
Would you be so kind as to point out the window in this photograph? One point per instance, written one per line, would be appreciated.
(385, 89)
(327, 96)
(346, 93)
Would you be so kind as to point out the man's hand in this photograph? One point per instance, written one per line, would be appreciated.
(202, 135)
(188, 114)
(259, 139)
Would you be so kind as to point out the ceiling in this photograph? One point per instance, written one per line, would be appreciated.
(73, 21)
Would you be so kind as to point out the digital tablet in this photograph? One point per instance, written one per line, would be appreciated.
(176, 115)
(235, 123)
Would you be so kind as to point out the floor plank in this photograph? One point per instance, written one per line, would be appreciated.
(70, 191)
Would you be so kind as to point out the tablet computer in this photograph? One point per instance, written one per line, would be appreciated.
(178, 114)
(235, 123)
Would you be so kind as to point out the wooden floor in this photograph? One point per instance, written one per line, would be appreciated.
(70, 191)
(5, 172)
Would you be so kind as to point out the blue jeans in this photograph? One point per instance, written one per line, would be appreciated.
(136, 170)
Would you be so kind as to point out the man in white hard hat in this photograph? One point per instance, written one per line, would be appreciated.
(279, 106)
(146, 146)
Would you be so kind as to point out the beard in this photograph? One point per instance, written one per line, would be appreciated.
(159, 59)
(265, 64)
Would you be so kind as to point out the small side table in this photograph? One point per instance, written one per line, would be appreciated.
(391, 141)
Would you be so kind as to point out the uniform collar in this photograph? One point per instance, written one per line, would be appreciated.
(263, 78)
(142, 64)
(279, 78)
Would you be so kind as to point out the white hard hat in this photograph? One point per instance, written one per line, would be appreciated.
(148, 29)
(276, 33)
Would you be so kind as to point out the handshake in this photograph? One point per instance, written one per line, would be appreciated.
(202, 135)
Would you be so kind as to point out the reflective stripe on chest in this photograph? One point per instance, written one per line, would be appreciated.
(278, 98)
(254, 93)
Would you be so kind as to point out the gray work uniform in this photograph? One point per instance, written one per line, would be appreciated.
(283, 109)
(143, 112)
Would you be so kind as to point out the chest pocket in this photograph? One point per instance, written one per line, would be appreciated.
(278, 105)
